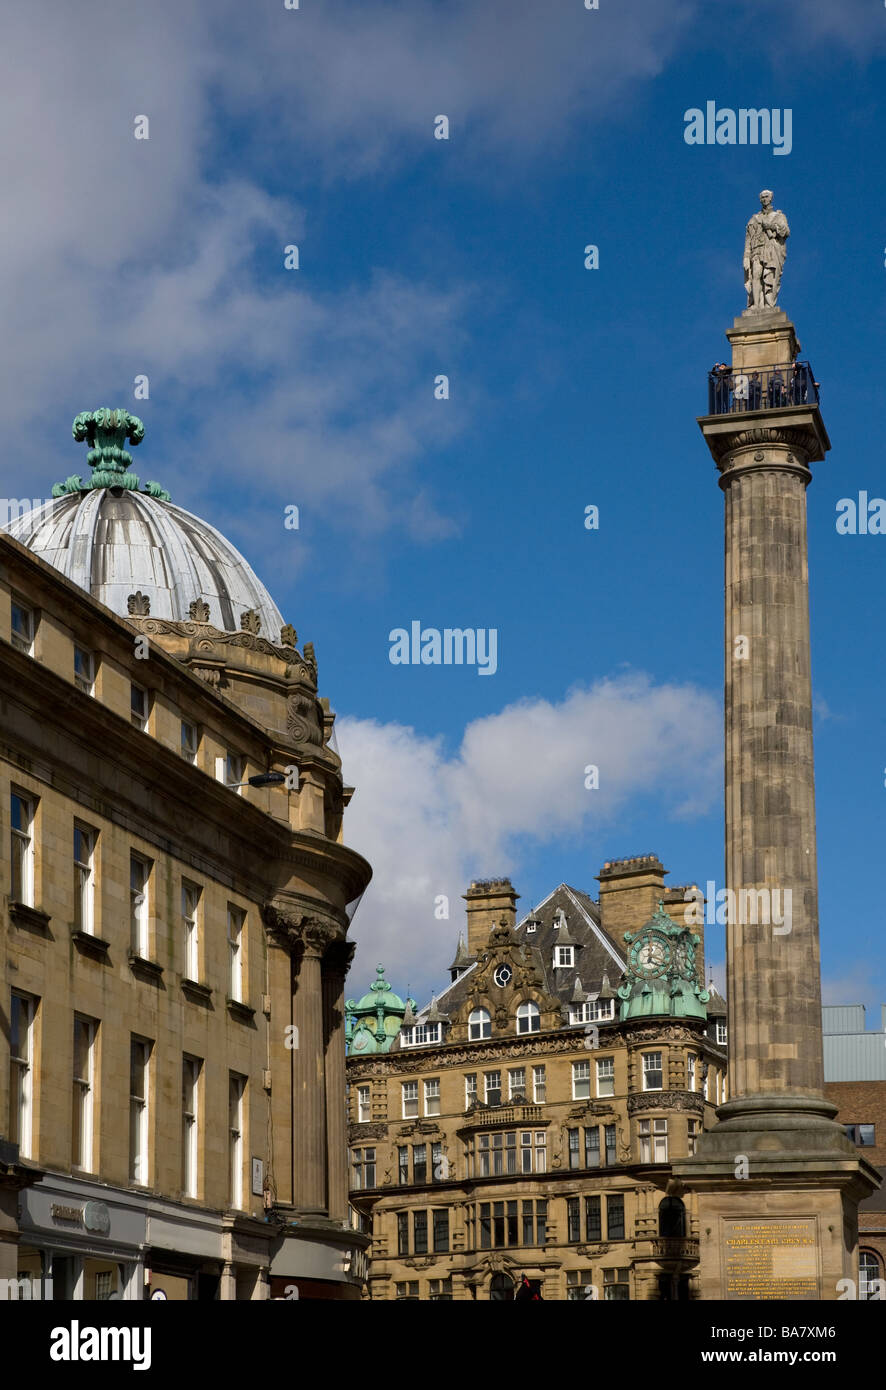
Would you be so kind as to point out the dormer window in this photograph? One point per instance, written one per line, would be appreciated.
(528, 1018)
(592, 1011)
(479, 1025)
(564, 957)
(420, 1034)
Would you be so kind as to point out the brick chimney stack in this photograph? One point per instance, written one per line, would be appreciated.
(488, 901)
(630, 890)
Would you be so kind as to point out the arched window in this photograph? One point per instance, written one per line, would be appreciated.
(501, 1288)
(671, 1217)
(528, 1020)
(868, 1274)
(479, 1025)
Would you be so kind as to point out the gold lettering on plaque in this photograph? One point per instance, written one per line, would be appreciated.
(770, 1258)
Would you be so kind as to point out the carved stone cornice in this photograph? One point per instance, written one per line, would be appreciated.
(208, 645)
(666, 1100)
(497, 1263)
(479, 1053)
(373, 1129)
(425, 1129)
(799, 435)
(593, 1109)
(666, 1031)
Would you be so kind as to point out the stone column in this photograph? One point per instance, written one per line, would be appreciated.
(773, 990)
(335, 967)
(309, 1076)
(775, 1162)
(227, 1289)
(773, 971)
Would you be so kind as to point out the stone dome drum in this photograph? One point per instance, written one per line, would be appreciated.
(114, 541)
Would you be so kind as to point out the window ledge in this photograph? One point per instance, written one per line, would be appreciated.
(237, 1009)
(30, 917)
(200, 994)
(140, 965)
(91, 945)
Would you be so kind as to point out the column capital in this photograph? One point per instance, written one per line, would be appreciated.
(339, 955)
(792, 439)
(306, 930)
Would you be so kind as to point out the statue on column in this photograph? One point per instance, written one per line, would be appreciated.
(764, 253)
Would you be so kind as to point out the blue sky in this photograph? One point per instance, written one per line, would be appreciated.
(567, 387)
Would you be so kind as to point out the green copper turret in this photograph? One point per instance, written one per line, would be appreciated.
(662, 975)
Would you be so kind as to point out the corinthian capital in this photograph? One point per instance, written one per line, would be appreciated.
(339, 955)
(303, 930)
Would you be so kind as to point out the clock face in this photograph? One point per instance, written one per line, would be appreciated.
(502, 976)
(359, 1042)
(651, 955)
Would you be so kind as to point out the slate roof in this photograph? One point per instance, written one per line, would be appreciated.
(595, 954)
(717, 1004)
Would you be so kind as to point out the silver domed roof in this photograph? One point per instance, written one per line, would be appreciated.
(114, 542)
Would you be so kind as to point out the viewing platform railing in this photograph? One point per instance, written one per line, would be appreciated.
(761, 388)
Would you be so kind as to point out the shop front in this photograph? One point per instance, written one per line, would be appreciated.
(326, 1263)
(79, 1241)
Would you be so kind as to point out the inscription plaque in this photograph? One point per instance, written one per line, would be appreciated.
(770, 1257)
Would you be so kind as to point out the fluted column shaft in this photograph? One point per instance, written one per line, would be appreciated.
(774, 994)
(336, 1117)
(309, 1081)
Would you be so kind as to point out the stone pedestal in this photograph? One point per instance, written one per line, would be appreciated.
(778, 1186)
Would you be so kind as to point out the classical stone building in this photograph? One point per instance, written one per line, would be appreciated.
(525, 1121)
(175, 897)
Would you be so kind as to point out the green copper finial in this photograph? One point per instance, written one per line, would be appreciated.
(106, 431)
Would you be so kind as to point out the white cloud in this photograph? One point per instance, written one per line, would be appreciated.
(428, 821)
(363, 83)
(132, 257)
(129, 256)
